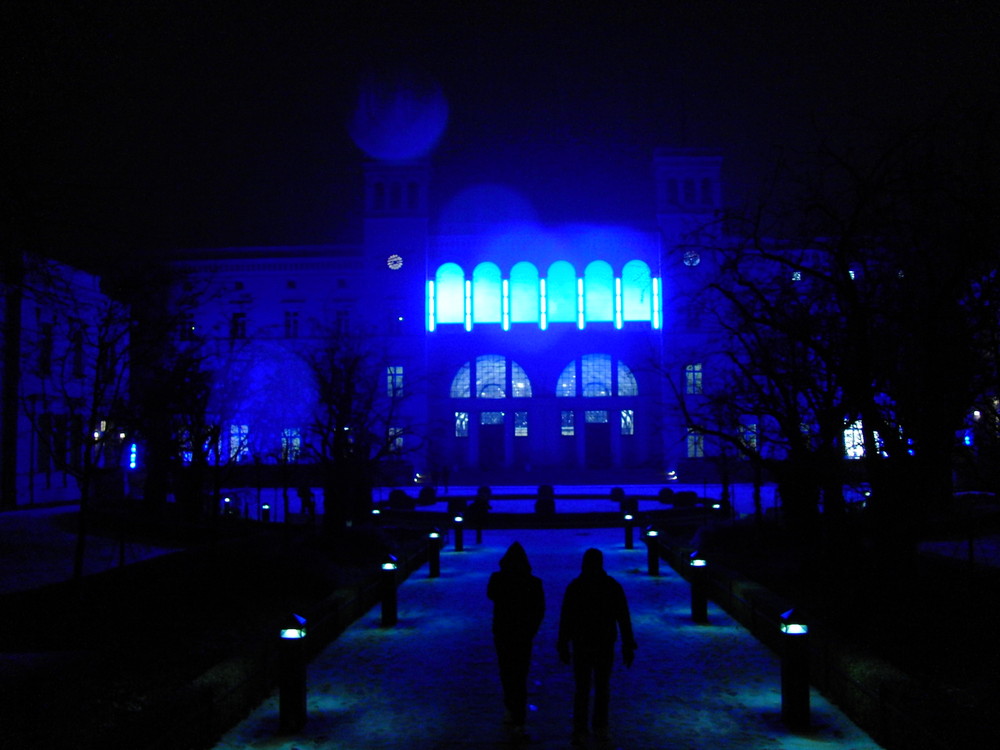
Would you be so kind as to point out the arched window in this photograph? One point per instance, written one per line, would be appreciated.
(595, 378)
(486, 293)
(524, 306)
(599, 292)
(637, 291)
(491, 379)
(560, 292)
(449, 294)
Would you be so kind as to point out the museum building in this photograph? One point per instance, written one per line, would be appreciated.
(542, 352)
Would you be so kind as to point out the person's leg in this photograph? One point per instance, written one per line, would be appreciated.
(507, 678)
(582, 668)
(602, 689)
(517, 691)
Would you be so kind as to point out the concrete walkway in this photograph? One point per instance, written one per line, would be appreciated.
(431, 681)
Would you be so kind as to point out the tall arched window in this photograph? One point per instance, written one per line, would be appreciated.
(637, 291)
(449, 294)
(599, 292)
(560, 292)
(524, 305)
(486, 293)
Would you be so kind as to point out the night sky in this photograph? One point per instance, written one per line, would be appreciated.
(135, 128)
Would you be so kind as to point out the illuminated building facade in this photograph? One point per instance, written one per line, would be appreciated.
(526, 352)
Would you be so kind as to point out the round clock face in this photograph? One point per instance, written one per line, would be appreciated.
(394, 261)
(691, 258)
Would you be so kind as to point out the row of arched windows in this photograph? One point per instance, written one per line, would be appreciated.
(591, 376)
(561, 295)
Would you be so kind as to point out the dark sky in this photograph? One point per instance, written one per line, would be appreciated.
(133, 128)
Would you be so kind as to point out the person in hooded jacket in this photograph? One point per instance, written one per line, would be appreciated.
(518, 608)
(594, 612)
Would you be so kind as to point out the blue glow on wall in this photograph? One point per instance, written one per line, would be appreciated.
(398, 117)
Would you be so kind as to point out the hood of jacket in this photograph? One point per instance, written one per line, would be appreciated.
(515, 560)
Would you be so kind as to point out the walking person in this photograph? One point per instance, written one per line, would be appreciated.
(518, 608)
(594, 613)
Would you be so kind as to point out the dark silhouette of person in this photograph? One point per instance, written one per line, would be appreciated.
(594, 612)
(518, 608)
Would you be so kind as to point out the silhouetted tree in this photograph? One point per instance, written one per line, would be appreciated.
(846, 299)
(359, 420)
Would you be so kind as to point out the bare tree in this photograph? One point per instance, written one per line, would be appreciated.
(847, 303)
(74, 384)
(359, 420)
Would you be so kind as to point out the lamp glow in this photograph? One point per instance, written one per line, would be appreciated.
(296, 628)
(791, 626)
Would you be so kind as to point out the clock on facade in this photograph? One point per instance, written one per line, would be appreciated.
(394, 261)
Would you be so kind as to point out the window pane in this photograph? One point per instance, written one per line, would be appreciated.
(566, 385)
(461, 424)
(460, 384)
(491, 376)
(626, 381)
(596, 375)
(596, 417)
(520, 384)
(568, 426)
(693, 378)
(628, 422)
(520, 424)
(491, 417)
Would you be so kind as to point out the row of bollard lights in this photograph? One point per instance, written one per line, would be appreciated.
(794, 652)
(794, 646)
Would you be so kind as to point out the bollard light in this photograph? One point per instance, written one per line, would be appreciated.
(652, 551)
(389, 607)
(434, 553)
(292, 674)
(459, 542)
(699, 597)
(794, 671)
(265, 512)
(791, 624)
(294, 629)
(629, 519)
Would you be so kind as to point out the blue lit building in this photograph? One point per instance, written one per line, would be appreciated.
(528, 352)
(64, 381)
